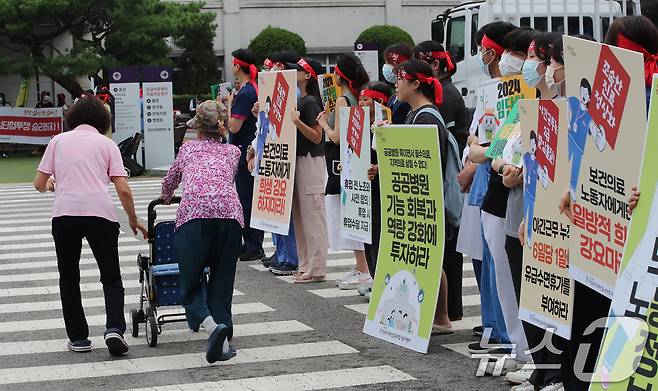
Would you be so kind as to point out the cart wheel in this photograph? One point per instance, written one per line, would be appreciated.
(151, 331)
(134, 320)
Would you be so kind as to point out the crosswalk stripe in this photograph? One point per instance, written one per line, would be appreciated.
(170, 363)
(169, 336)
(35, 306)
(53, 263)
(85, 251)
(50, 244)
(467, 323)
(55, 275)
(330, 262)
(330, 293)
(328, 277)
(99, 320)
(307, 381)
(54, 289)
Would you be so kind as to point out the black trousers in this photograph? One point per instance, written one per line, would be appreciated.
(244, 184)
(372, 250)
(102, 236)
(453, 265)
(548, 363)
(213, 243)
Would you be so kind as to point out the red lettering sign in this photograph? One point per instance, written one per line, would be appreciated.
(609, 93)
(355, 129)
(547, 128)
(279, 99)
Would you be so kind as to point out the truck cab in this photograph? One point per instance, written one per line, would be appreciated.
(457, 27)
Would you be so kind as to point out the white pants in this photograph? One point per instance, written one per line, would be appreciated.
(494, 233)
(469, 241)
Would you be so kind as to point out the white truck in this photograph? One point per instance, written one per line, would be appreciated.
(457, 26)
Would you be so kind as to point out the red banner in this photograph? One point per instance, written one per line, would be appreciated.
(609, 93)
(355, 129)
(29, 126)
(547, 127)
(279, 99)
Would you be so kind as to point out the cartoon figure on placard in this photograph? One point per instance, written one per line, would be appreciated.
(399, 306)
(347, 170)
(580, 125)
(513, 151)
(598, 134)
(531, 168)
(264, 128)
(487, 125)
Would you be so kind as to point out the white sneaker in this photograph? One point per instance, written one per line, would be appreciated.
(526, 386)
(356, 280)
(366, 288)
(347, 276)
(518, 377)
(553, 387)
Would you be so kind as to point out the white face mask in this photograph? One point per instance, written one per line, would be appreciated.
(510, 64)
(389, 75)
(549, 77)
(484, 66)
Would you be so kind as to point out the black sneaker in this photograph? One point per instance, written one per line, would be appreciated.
(252, 255)
(81, 346)
(478, 348)
(478, 331)
(283, 269)
(115, 343)
(270, 261)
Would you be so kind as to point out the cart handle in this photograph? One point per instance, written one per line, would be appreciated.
(152, 214)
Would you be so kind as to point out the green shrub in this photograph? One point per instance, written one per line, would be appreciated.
(274, 39)
(384, 36)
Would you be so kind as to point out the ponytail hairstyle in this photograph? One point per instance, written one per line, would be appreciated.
(378, 91)
(352, 73)
(544, 45)
(434, 53)
(430, 86)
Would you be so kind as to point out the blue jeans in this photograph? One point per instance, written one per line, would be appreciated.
(286, 247)
(492, 313)
(213, 243)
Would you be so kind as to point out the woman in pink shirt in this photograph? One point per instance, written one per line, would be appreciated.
(78, 166)
(209, 224)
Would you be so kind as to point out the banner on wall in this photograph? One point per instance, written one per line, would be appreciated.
(124, 86)
(627, 359)
(276, 143)
(607, 128)
(20, 125)
(495, 101)
(406, 285)
(356, 202)
(546, 287)
(158, 116)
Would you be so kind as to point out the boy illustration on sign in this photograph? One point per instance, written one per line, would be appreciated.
(399, 306)
(580, 125)
(487, 125)
(532, 171)
(265, 128)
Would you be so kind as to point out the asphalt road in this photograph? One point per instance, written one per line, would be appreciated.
(289, 337)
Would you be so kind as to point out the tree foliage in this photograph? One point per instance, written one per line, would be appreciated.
(104, 33)
(274, 39)
(384, 36)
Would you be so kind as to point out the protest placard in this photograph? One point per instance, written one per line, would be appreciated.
(406, 286)
(22, 125)
(329, 91)
(276, 143)
(356, 203)
(546, 287)
(607, 126)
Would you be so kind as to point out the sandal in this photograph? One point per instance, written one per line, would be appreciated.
(441, 330)
(297, 274)
(305, 278)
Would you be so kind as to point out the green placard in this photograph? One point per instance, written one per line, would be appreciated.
(503, 134)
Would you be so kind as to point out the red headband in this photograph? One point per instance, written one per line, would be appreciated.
(650, 60)
(374, 95)
(396, 58)
(438, 89)
(308, 68)
(490, 44)
(253, 71)
(430, 56)
(350, 83)
(268, 63)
